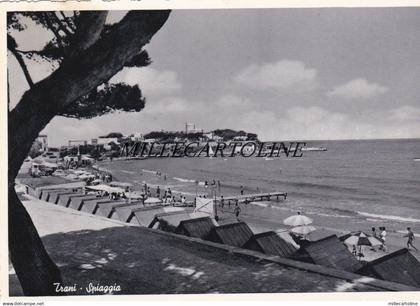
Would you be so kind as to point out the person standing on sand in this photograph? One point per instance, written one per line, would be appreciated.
(158, 192)
(242, 190)
(375, 235)
(382, 236)
(237, 211)
(411, 237)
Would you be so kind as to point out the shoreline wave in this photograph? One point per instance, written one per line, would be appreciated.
(388, 217)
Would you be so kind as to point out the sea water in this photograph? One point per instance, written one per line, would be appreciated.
(354, 185)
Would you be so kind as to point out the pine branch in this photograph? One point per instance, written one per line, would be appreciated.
(11, 45)
(90, 25)
(60, 24)
(67, 20)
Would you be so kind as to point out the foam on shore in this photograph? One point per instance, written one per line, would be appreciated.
(180, 179)
(388, 217)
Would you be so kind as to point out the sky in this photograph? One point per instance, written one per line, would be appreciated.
(285, 74)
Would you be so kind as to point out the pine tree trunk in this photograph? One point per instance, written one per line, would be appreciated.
(36, 272)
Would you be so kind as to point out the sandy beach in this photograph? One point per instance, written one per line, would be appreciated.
(265, 215)
(89, 251)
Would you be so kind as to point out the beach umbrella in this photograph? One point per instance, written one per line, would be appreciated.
(360, 238)
(297, 220)
(303, 229)
(137, 195)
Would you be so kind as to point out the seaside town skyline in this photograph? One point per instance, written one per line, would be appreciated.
(312, 74)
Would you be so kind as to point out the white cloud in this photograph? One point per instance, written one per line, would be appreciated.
(357, 89)
(231, 101)
(406, 112)
(166, 105)
(284, 74)
(304, 123)
(150, 80)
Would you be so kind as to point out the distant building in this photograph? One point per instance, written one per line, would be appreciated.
(43, 139)
(77, 142)
(240, 138)
(94, 141)
(217, 138)
(212, 136)
(209, 135)
(191, 129)
(137, 137)
(107, 141)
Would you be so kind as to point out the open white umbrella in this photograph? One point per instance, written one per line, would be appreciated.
(297, 220)
(360, 238)
(137, 195)
(303, 229)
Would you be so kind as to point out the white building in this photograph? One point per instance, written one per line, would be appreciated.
(106, 141)
(43, 139)
(240, 138)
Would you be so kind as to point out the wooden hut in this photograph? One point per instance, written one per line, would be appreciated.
(143, 216)
(48, 194)
(235, 234)
(270, 243)
(329, 252)
(198, 228)
(91, 205)
(64, 198)
(77, 200)
(169, 222)
(122, 212)
(104, 209)
(399, 266)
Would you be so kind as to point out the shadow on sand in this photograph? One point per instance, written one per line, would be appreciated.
(145, 262)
